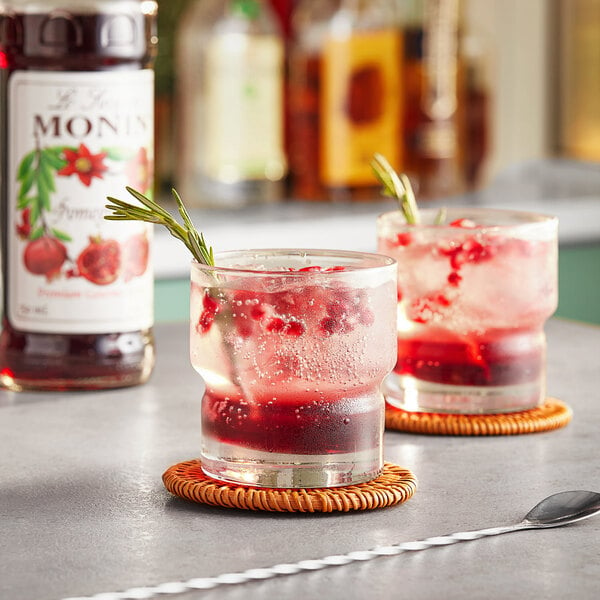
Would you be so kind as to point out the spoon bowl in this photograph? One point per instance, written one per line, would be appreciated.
(563, 508)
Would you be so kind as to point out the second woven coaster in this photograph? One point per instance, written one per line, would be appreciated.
(552, 414)
(393, 486)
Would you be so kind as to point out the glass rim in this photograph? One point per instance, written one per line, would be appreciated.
(527, 218)
(380, 261)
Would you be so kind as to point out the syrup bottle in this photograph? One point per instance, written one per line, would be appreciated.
(230, 85)
(345, 96)
(76, 125)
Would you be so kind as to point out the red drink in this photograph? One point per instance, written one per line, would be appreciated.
(292, 347)
(473, 297)
(335, 424)
(495, 358)
(71, 287)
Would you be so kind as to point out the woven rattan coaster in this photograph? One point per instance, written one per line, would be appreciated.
(393, 486)
(553, 414)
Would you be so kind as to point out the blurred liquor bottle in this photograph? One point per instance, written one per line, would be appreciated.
(345, 97)
(230, 78)
(579, 79)
(283, 11)
(431, 84)
(169, 13)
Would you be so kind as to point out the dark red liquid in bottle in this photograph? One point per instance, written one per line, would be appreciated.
(93, 40)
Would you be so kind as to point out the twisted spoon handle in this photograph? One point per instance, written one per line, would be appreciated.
(206, 583)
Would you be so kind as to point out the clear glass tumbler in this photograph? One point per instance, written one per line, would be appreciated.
(473, 297)
(293, 346)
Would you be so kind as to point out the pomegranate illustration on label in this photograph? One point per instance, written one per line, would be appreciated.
(47, 252)
(139, 170)
(45, 256)
(135, 255)
(100, 261)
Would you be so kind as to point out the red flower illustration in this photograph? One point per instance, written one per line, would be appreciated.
(139, 171)
(24, 229)
(84, 164)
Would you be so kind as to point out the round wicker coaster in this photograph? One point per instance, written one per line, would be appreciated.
(393, 486)
(553, 414)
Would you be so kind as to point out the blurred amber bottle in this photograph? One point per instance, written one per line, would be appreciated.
(579, 79)
(230, 107)
(345, 97)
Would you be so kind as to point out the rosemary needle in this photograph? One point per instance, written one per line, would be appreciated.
(398, 186)
(151, 212)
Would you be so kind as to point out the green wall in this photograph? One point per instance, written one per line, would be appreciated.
(579, 283)
(579, 288)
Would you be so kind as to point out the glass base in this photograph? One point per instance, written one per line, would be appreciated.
(245, 466)
(415, 395)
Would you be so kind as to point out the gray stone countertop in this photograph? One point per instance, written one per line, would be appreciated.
(83, 510)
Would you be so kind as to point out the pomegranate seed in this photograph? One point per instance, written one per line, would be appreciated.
(329, 325)
(454, 278)
(346, 326)
(336, 309)
(447, 247)
(423, 315)
(442, 300)
(258, 312)
(366, 317)
(210, 304)
(275, 325)
(243, 327)
(205, 321)
(294, 328)
(403, 239)
(318, 268)
(458, 259)
(465, 223)
(477, 252)
(471, 245)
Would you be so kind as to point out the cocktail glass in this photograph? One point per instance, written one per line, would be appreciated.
(293, 346)
(473, 297)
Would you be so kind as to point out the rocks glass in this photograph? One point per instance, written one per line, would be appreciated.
(473, 296)
(293, 346)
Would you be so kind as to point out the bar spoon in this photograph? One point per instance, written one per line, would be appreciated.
(554, 511)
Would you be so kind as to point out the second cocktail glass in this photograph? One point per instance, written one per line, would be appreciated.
(293, 346)
(473, 297)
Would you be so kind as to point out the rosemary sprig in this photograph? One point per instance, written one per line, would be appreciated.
(151, 212)
(397, 186)
(440, 217)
